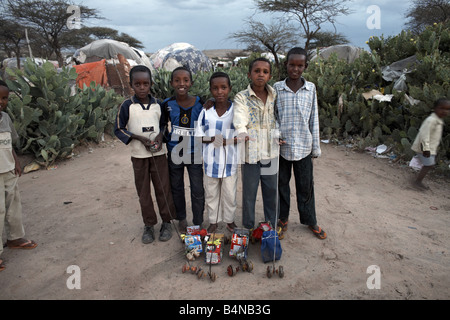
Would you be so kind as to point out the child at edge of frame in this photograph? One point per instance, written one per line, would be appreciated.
(185, 152)
(255, 124)
(140, 123)
(428, 139)
(298, 119)
(10, 171)
(220, 154)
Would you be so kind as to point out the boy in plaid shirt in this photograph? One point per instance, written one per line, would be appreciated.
(298, 120)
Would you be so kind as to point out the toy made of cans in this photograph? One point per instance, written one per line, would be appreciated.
(214, 248)
(239, 243)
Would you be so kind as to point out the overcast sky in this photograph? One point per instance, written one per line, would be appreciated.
(206, 24)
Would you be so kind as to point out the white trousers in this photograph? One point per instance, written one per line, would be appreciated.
(225, 189)
(10, 208)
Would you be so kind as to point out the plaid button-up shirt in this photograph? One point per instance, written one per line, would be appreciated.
(298, 120)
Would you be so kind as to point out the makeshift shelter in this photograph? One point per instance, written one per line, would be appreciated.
(112, 73)
(345, 52)
(108, 63)
(109, 49)
(181, 54)
(269, 56)
(92, 71)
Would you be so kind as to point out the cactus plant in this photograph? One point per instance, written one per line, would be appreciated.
(49, 119)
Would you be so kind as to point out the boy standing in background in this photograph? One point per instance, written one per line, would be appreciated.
(427, 140)
(10, 171)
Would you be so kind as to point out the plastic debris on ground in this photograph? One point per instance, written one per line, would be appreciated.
(415, 163)
(381, 151)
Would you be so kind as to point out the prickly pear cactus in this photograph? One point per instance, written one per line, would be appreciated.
(51, 115)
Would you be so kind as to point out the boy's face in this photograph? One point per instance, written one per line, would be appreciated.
(181, 82)
(4, 94)
(296, 65)
(260, 73)
(443, 109)
(141, 84)
(220, 89)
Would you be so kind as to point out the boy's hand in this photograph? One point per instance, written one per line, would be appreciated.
(17, 169)
(281, 142)
(158, 142)
(243, 137)
(426, 154)
(218, 141)
(209, 104)
(145, 141)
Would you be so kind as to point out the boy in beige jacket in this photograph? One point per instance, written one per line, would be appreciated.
(427, 141)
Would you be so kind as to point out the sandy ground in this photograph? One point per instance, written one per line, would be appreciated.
(86, 213)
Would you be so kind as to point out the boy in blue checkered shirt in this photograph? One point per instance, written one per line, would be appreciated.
(298, 120)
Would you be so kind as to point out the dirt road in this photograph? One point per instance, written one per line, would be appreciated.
(86, 213)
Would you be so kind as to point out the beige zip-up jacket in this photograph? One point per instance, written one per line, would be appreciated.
(257, 119)
(429, 136)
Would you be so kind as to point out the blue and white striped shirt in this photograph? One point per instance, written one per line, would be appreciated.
(209, 124)
(298, 119)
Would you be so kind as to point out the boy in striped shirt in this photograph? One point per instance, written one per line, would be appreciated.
(215, 126)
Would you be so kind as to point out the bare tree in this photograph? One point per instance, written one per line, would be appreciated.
(275, 37)
(423, 13)
(81, 37)
(327, 39)
(11, 37)
(311, 14)
(48, 18)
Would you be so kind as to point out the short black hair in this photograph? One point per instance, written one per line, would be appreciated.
(139, 68)
(183, 68)
(3, 84)
(439, 102)
(250, 67)
(220, 74)
(297, 50)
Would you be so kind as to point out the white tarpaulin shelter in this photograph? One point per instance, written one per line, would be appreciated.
(181, 54)
(344, 52)
(109, 49)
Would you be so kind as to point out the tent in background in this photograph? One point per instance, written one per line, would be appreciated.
(181, 54)
(112, 73)
(343, 51)
(92, 71)
(109, 49)
(108, 62)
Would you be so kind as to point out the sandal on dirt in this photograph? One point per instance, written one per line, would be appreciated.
(318, 233)
(2, 266)
(212, 228)
(231, 226)
(21, 244)
(283, 225)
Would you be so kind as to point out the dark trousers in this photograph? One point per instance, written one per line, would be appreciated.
(195, 172)
(252, 175)
(304, 185)
(155, 170)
